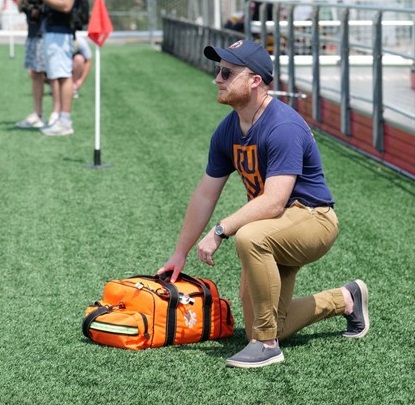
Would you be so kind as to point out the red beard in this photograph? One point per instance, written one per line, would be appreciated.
(235, 97)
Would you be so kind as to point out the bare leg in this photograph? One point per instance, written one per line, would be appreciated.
(37, 89)
(348, 301)
(78, 67)
(54, 85)
(66, 89)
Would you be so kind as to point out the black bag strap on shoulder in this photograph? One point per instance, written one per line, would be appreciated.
(87, 322)
(207, 301)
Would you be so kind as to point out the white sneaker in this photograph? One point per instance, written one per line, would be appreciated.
(53, 118)
(59, 128)
(31, 121)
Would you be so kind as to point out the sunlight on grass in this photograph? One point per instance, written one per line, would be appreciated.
(67, 229)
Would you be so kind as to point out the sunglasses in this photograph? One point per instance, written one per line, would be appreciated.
(226, 72)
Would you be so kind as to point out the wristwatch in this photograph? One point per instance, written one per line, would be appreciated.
(219, 231)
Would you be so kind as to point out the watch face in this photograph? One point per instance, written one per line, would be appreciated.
(219, 230)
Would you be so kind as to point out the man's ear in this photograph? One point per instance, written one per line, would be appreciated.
(257, 81)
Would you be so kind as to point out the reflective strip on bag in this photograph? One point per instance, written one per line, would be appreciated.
(116, 329)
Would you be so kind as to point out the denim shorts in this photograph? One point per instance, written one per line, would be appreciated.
(58, 54)
(34, 55)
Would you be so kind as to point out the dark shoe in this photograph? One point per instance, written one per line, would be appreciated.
(358, 320)
(255, 354)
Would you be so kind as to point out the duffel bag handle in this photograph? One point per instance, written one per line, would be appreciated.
(165, 276)
(87, 322)
(174, 299)
(207, 299)
(207, 296)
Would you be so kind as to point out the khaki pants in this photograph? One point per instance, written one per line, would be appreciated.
(272, 252)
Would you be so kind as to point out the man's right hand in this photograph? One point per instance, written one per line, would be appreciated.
(176, 264)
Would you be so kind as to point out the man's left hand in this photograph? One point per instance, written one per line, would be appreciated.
(207, 248)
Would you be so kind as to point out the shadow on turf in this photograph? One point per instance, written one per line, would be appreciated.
(223, 348)
(70, 160)
(238, 341)
(8, 124)
(11, 126)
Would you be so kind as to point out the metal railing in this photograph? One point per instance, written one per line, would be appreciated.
(324, 57)
(186, 40)
(343, 43)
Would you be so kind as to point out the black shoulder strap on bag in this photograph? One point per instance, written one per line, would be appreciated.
(171, 308)
(172, 314)
(87, 322)
(207, 301)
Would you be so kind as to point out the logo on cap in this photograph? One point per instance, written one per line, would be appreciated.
(236, 45)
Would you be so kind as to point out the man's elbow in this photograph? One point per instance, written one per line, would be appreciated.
(276, 211)
(63, 6)
(273, 209)
(67, 6)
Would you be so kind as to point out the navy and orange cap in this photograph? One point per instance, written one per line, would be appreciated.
(244, 53)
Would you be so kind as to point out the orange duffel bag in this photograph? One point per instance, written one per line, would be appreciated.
(148, 311)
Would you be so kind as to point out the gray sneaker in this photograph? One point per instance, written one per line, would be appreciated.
(255, 354)
(31, 121)
(59, 128)
(53, 118)
(358, 321)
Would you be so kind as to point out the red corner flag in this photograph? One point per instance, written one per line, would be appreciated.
(100, 26)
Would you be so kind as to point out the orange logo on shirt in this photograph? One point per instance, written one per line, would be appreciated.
(245, 159)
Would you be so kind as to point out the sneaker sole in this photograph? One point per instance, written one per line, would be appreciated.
(27, 126)
(240, 364)
(365, 300)
(58, 135)
(47, 133)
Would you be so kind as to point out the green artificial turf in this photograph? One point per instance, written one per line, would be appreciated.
(67, 228)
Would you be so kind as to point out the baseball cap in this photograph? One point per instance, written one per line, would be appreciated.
(244, 53)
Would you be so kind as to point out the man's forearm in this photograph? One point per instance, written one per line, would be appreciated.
(197, 216)
(268, 205)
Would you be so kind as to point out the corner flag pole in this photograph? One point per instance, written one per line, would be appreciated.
(99, 28)
(97, 150)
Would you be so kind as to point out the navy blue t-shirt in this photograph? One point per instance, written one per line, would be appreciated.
(279, 143)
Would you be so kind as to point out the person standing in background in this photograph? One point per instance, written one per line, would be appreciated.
(82, 63)
(58, 50)
(35, 63)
